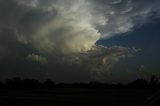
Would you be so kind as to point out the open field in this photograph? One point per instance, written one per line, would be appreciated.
(75, 97)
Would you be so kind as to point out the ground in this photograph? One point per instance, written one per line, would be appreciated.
(75, 97)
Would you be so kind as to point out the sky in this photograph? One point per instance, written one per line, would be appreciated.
(79, 40)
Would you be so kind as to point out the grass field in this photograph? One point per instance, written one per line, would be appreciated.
(74, 97)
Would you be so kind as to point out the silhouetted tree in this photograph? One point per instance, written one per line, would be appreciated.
(48, 84)
(18, 83)
(139, 83)
(9, 83)
(31, 83)
(154, 80)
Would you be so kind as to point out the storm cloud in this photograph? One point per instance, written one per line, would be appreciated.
(67, 30)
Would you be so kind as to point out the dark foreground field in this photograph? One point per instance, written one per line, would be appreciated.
(75, 97)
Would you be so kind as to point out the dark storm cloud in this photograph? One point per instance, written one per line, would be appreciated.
(65, 32)
(7, 42)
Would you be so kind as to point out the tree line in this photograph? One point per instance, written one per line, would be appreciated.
(18, 83)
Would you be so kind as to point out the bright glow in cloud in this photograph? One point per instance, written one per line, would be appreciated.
(37, 58)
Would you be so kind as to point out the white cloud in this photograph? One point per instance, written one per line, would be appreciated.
(124, 15)
(74, 26)
(37, 58)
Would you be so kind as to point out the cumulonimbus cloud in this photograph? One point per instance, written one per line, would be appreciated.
(76, 25)
(72, 27)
